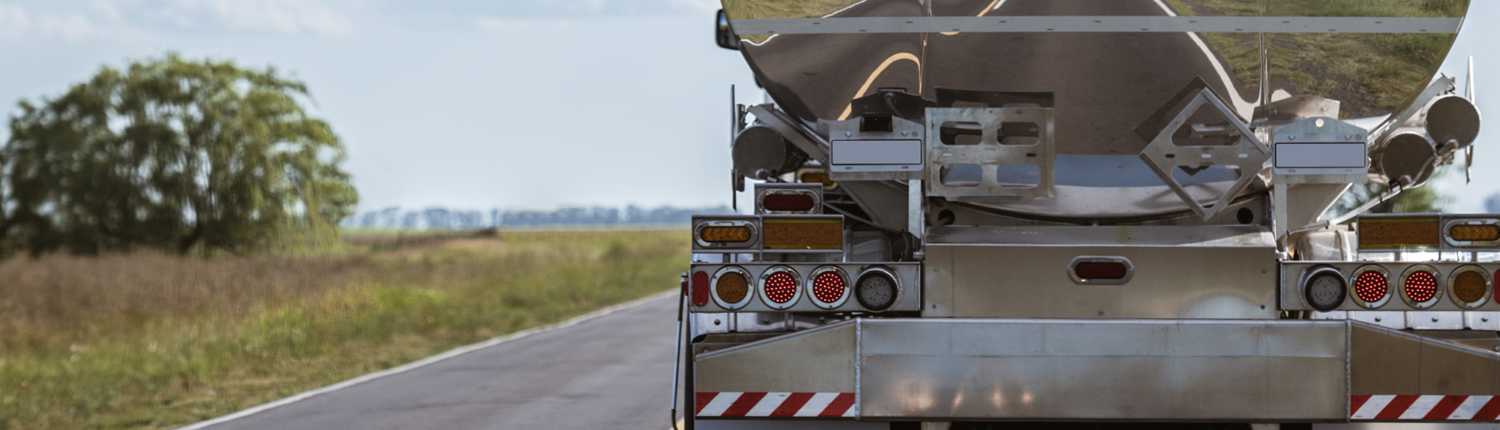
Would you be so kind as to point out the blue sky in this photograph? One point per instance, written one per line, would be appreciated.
(510, 104)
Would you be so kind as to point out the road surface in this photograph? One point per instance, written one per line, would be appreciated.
(613, 371)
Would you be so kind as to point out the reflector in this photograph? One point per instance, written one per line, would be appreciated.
(803, 233)
(1398, 233)
(700, 289)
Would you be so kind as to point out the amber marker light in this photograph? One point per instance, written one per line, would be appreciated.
(1469, 287)
(731, 287)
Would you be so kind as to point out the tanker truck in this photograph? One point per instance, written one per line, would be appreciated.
(985, 214)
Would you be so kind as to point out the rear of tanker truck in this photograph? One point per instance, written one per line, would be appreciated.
(978, 214)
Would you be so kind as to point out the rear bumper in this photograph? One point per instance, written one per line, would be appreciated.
(1092, 370)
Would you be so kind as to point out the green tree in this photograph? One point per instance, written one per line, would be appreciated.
(171, 154)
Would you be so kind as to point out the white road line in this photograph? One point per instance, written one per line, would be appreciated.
(429, 360)
(1244, 108)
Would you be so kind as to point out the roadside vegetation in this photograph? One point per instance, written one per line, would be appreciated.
(154, 339)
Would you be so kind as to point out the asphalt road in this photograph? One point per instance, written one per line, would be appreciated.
(613, 371)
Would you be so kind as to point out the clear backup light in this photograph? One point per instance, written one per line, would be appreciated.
(1324, 288)
(877, 289)
(1469, 287)
(731, 287)
(779, 287)
(1372, 287)
(1420, 286)
(828, 287)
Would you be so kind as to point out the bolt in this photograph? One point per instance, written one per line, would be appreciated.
(1347, 137)
(1291, 137)
(1497, 348)
(1434, 319)
(1484, 319)
(1377, 319)
(1101, 313)
(765, 321)
(716, 322)
(847, 134)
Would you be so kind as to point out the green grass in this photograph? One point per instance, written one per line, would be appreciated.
(154, 341)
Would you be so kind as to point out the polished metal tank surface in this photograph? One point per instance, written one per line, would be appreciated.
(1105, 83)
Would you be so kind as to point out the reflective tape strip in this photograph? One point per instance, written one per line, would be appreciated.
(1096, 24)
(1424, 408)
(737, 404)
(717, 405)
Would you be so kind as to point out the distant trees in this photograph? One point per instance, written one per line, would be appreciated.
(437, 218)
(171, 154)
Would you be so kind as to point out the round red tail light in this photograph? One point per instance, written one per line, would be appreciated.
(1419, 286)
(779, 287)
(699, 289)
(1371, 287)
(829, 287)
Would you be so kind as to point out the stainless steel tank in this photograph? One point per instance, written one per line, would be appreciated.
(1105, 83)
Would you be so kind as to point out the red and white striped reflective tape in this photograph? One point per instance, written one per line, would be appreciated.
(1431, 407)
(730, 404)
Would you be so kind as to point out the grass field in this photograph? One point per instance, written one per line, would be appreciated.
(147, 340)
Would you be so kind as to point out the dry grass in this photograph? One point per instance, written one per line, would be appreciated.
(153, 341)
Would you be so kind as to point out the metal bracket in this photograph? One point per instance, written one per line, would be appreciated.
(989, 153)
(792, 131)
(1163, 155)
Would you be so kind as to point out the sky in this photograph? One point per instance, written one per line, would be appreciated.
(483, 104)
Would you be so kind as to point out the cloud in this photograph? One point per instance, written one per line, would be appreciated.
(17, 22)
(277, 16)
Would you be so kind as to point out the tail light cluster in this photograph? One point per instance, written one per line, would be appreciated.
(1419, 286)
(770, 233)
(1437, 231)
(809, 287)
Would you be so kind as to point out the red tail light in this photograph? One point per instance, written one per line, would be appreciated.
(700, 289)
(789, 202)
(829, 287)
(1371, 286)
(1097, 270)
(1420, 286)
(780, 287)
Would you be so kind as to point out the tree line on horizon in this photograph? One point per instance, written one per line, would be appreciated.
(440, 218)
